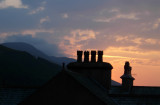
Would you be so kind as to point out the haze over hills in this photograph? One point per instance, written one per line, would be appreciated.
(25, 48)
(21, 46)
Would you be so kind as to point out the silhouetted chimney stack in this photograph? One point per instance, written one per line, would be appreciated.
(100, 56)
(95, 69)
(127, 79)
(86, 56)
(79, 56)
(93, 56)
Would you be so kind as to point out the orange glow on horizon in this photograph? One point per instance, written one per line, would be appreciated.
(144, 70)
(145, 75)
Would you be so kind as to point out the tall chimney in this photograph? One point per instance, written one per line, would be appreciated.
(86, 56)
(93, 56)
(79, 56)
(127, 79)
(100, 56)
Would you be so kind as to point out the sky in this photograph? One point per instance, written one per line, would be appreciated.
(126, 30)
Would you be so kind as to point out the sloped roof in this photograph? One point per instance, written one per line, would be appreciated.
(14, 95)
(93, 86)
(62, 88)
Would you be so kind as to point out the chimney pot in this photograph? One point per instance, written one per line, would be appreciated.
(100, 56)
(79, 56)
(86, 56)
(93, 56)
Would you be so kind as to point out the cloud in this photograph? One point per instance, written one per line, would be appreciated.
(114, 10)
(136, 40)
(45, 19)
(5, 35)
(80, 35)
(133, 54)
(37, 10)
(110, 19)
(156, 24)
(151, 25)
(145, 44)
(36, 31)
(32, 33)
(118, 15)
(132, 16)
(152, 41)
(12, 3)
(76, 40)
(65, 15)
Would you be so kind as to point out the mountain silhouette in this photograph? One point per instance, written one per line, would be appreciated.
(21, 46)
(21, 68)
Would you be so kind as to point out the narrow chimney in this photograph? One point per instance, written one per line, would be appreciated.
(127, 79)
(86, 56)
(93, 56)
(100, 56)
(79, 56)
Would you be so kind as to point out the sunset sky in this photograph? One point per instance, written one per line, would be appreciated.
(126, 30)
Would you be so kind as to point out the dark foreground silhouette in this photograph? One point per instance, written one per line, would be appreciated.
(18, 68)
